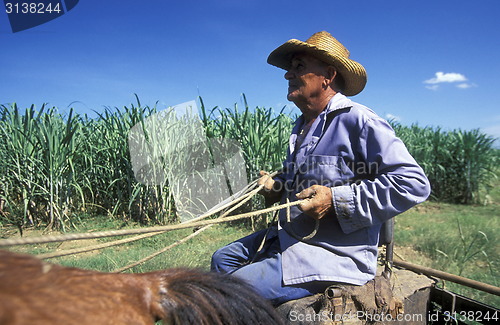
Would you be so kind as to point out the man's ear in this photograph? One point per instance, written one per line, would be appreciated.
(330, 75)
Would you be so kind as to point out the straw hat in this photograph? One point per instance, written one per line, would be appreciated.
(326, 48)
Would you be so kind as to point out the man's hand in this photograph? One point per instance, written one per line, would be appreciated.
(265, 180)
(318, 201)
(271, 190)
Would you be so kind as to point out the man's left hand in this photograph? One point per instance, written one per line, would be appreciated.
(318, 201)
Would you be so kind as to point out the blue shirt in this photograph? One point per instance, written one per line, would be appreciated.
(372, 178)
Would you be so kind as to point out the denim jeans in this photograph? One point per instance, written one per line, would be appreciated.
(262, 271)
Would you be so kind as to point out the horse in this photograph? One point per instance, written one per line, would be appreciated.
(36, 292)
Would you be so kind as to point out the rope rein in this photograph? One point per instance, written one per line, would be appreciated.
(93, 247)
(163, 250)
(236, 201)
(292, 232)
(124, 232)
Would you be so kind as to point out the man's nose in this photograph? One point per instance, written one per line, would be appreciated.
(288, 75)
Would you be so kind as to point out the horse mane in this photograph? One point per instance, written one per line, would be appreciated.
(194, 297)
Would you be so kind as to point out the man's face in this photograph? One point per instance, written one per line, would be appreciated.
(305, 78)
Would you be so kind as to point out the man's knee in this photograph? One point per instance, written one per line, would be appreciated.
(236, 254)
(217, 260)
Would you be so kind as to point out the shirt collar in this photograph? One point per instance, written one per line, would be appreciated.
(338, 101)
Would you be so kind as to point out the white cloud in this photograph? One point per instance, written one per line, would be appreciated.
(446, 77)
(466, 85)
(433, 87)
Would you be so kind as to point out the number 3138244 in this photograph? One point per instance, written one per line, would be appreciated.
(32, 8)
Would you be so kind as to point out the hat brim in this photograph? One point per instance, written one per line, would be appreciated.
(354, 74)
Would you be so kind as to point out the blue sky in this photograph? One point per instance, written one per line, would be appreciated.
(431, 62)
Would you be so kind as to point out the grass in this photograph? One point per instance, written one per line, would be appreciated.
(459, 239)
(195, 253)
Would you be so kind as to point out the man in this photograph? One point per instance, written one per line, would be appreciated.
(347, 166)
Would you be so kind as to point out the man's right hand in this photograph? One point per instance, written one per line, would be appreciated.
(266, 180)
(271, 190)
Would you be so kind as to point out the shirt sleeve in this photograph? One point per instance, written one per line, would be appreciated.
(394, 181)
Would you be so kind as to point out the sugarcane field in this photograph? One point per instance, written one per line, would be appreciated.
(87, 186)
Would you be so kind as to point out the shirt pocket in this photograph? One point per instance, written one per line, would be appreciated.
(328, 171)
